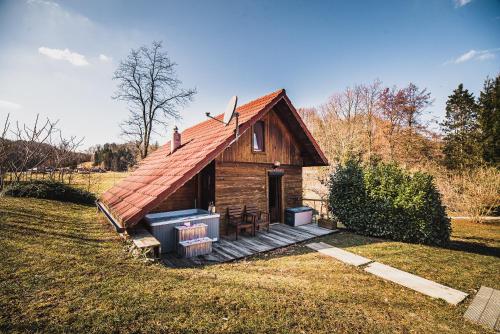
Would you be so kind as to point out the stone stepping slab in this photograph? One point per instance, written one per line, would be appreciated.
(485, 308)
(414, 282)
(417, 283)
(339, 254)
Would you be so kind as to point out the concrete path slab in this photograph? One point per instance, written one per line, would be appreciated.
(485, 308)
(417, 283)
(318, 245)
(339, 254)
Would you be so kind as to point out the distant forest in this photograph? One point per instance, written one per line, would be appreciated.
(117, 157)
(114, 157)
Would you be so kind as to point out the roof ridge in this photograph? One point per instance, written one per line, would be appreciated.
(277, 92)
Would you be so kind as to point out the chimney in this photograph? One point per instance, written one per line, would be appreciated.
(176, 140)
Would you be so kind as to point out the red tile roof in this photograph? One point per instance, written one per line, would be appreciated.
(162, 173)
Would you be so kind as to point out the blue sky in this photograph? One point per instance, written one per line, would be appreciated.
(57, 57)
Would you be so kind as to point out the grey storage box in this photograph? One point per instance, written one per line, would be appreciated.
(298, 216)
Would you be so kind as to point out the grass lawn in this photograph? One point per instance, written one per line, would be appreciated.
(97, 182)
(64, 270)
(93, 182)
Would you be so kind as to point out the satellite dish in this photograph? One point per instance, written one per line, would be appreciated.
(231, 107)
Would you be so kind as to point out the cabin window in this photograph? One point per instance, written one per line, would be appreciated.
(258, 137)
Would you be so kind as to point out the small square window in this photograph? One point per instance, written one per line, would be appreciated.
(258, 137)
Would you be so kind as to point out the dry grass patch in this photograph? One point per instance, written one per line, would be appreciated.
(472, 259)
(64, 270)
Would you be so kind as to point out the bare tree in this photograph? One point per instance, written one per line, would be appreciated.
(63, 152)
(148, 83)
(415, 103)
(29, 145)
(340, 126)
(392, 104)
(3, 150)
(27, 150)
(370, 95)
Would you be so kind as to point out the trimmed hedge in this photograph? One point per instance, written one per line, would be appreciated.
(386, 201)
(49, 190)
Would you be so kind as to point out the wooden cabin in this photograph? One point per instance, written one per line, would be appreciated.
(208, 163)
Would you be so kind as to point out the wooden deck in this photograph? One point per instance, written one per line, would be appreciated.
(225, 250)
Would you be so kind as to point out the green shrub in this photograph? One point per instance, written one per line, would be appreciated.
(385, 201)
(49, 190)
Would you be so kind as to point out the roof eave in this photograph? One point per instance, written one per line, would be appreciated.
(109, 216)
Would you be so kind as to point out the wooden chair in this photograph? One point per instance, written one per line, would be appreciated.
(260, 219)
(235, 217)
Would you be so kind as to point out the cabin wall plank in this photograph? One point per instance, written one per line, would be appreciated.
(280, 145)
(247, 183)
(184, 198)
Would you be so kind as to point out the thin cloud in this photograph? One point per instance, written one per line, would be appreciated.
(58, 54)
(9, 105)
(478, 55)
(43, 3)
(104, 58)
(461, 3)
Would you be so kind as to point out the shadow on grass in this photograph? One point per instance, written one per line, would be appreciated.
(350, 239)
(473, 247)
(346, 239)
(33, 231)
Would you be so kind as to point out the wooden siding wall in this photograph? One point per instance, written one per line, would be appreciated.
(183, 198)
(279, 145)
(247, 183)
(292, 181)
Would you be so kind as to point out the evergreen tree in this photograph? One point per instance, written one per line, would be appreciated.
(461, 142)
(115, 157)
(489, 120)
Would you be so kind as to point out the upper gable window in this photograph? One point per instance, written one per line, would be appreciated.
(258, 137)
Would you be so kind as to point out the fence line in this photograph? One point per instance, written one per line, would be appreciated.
(320, 205)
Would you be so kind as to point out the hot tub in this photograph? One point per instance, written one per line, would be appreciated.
(161, 225)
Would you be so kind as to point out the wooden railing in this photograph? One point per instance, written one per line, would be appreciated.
(320, 205)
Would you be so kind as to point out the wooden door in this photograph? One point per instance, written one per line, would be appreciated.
(275, 198)
(206, 186)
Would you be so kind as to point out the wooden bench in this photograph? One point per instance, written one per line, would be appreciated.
(142, 239)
